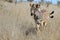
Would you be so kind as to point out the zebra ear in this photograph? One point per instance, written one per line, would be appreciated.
(39, 4)
(51, 16)
(52, 13)
(47, 5)
(31, 4)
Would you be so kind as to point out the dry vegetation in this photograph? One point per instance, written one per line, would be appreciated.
(15, 21)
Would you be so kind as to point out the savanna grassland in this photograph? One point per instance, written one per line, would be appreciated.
(15, 21)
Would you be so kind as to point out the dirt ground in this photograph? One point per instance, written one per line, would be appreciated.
(17, 24)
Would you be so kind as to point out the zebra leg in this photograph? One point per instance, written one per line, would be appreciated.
(37, 28)
(44, 23)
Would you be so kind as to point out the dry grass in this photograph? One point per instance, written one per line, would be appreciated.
(15, 21)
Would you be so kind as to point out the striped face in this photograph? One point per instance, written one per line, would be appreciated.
(41, 13)
(37, 8)
(33, 8)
